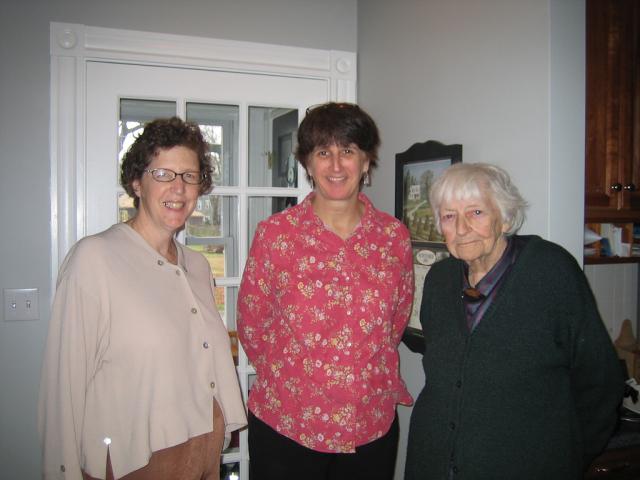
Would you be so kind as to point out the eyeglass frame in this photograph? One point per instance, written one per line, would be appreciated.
(202, 175)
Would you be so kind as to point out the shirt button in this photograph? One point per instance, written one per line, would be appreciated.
(194, 310)
(459, 383)
(212, 384)
(452, 426)
(62, 469)
(205, 344)
(160, 262)
(178, 272)
(455, 470)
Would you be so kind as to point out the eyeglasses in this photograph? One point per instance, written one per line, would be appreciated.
(166, 175)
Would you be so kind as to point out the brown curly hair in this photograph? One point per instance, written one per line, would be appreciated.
(340, 123)
(163, 134)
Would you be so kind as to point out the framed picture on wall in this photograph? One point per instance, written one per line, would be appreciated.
(416, 170)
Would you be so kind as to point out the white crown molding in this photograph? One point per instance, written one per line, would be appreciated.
(72, 45)
(179, 50)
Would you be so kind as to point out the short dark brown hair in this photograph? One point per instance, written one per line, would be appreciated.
(163, 134)
(341, 124)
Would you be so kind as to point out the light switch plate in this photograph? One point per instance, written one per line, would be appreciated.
(21, 304)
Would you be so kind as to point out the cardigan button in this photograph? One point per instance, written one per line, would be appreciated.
(205, 344)
(160, 262)
(459, 383)
(194, 310)
(452, 426)
(62, 469)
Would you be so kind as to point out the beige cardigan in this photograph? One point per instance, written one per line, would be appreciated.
(135, 352)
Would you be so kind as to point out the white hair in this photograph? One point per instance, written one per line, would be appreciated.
(463, 181)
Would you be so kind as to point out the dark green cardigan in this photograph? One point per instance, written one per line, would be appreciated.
(531, 393)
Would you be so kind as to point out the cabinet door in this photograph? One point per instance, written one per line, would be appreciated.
(612, 106)
(254, 172)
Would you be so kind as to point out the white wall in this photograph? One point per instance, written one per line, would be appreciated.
(616, 290)
(567, 124)
(24, 156)
(502, 77)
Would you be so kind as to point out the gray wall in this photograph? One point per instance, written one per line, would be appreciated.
(504, 78)
(24, 156)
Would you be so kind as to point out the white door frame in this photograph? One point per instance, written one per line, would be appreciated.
(72, 45)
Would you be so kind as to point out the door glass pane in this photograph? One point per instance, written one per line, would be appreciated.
(261, 208)
(212, 229)
(219, 125)
(272, 137)
(134, 113)
(226, 303)
(126, 210)
(226, 298)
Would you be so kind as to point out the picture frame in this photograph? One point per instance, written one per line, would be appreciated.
(425, 255)
(416, 170)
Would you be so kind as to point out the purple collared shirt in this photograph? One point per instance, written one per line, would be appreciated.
(489, 285)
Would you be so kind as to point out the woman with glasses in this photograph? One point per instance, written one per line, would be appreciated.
(324, 299)
(138, 381)
(522, 381)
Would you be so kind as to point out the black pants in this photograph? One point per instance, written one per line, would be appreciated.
(275, 457)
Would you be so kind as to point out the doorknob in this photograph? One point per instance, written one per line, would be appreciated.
(616, 187)
(630, 187)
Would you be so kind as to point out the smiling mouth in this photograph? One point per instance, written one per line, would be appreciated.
(173, 205)
(336, 179)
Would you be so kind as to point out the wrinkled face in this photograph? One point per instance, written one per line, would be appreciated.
(336, 171)
(473, 230)
(165, 206)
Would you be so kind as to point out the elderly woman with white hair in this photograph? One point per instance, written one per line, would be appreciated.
(522, 380)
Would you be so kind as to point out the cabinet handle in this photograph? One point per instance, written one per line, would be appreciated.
(630, 187)
(616, 187)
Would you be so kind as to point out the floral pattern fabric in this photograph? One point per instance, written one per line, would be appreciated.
(321, 318)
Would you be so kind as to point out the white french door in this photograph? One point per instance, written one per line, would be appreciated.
(246, 102)
(249, 122)
(248, 99)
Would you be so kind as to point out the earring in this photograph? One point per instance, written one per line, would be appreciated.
(366, 179)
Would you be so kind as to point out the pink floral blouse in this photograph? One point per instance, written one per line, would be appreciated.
(320, 318)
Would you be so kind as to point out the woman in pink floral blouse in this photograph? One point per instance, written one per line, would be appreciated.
(325, 297)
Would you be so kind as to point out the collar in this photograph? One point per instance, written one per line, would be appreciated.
(308, 216)
(486, 285)
(135, 236)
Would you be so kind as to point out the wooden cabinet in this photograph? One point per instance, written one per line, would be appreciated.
(618, 464)
(612, 183)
